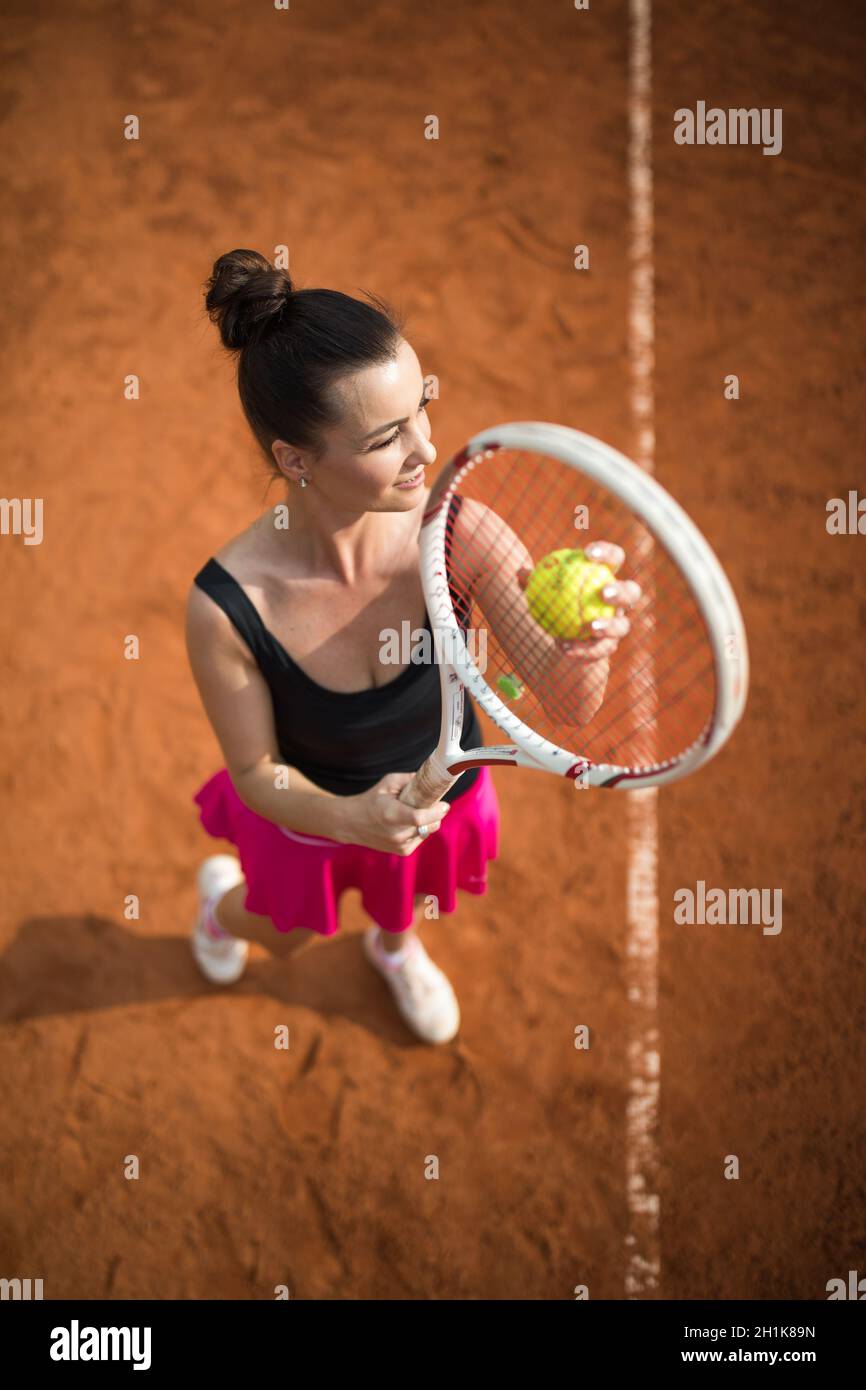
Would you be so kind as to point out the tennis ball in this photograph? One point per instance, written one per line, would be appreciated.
(511, 687)
(564, 593)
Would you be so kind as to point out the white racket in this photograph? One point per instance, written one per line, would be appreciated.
(675, 687)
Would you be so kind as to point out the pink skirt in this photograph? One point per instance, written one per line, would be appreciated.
(296, 880)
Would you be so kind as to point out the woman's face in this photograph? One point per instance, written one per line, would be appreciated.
(381, 443)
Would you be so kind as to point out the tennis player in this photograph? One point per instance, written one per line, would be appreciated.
(286, 634)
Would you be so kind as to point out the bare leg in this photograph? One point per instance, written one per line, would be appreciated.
(233, 917)
(396, 940)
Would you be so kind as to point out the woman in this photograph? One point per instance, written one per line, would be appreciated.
(285, 627)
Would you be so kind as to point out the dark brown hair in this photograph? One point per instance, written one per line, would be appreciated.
(293, 345)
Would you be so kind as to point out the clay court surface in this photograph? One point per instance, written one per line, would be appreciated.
(306, 1167)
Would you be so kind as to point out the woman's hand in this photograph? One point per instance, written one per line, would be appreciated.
(572, 684)
(607, 633)
(378, 819)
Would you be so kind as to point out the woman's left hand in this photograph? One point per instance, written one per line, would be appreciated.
(623, 594)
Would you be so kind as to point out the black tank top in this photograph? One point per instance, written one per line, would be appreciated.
(344, 741)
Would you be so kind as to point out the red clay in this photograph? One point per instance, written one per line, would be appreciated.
(307, 1167)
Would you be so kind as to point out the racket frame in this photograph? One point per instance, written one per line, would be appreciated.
(675, 531)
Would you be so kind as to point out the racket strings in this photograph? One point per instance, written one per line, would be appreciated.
(647, 680)
(660, 681)
(623, 536)
(677, 652)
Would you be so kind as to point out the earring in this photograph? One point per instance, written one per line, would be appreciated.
(304, 482)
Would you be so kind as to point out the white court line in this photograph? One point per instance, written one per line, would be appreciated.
(643, 1264)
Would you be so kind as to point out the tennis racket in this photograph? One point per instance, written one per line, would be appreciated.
(669, 694)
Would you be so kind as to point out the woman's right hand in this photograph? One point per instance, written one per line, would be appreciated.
(378, 819)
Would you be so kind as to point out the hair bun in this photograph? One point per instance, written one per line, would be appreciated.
(244, 294)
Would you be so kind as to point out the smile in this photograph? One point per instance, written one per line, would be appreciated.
(414, 480)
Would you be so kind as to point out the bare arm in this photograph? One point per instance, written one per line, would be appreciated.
(238, 704)
(569, 679)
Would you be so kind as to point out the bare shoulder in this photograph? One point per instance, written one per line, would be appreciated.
(208, 627)
(250, 553)
(263, 562)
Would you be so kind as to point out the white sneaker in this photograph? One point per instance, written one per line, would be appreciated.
(424, 995)
(221, 959)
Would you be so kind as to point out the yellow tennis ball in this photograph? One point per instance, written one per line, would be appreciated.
(564, 593)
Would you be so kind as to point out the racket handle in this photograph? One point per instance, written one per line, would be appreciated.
(428, 785)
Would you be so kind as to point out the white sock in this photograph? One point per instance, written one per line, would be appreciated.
(395, 957)
(210, 925)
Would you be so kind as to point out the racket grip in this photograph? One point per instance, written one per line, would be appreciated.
(428, 785)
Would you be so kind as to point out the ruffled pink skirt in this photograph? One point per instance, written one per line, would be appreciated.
(296, 880)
